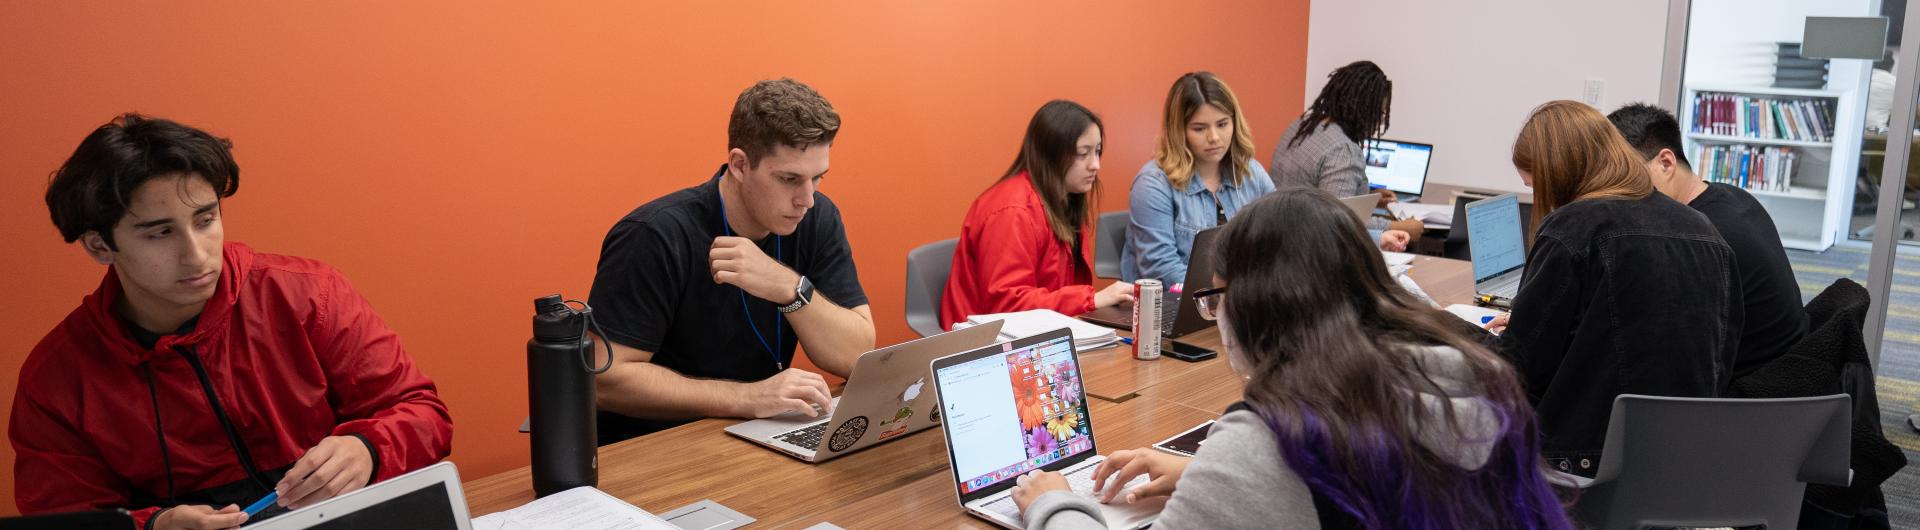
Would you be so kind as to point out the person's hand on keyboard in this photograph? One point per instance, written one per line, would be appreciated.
(1035, 483)
(791, 390)
(1113, 294)
(1164, 470)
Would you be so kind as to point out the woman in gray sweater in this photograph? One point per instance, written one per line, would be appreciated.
(1364, 408)
(1322, 149)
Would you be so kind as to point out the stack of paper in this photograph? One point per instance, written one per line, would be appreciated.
(1086, 336)
(582, 508)
(1434, 215)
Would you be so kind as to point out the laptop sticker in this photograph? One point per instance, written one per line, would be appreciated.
(848, 433)
(896, 426)
(913, 391)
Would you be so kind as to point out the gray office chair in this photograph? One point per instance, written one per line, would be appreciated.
(1110, 235)
(1701, 462)
(927, 269)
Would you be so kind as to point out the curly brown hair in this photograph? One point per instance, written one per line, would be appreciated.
(780, 112)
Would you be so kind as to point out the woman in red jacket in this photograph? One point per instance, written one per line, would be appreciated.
(1026, 242)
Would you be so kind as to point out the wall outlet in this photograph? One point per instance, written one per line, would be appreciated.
(1595, 89)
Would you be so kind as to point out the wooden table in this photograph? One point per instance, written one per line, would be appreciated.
(1113, 374)
(907, 482)
(1212, 386)
(902, 483)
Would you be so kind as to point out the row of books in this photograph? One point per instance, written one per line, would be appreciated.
(1807, 120)
(1763, 168)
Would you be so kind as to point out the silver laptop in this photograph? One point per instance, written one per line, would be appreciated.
(1362, 205)
(427, 499)
(1497, 246)
(885, 398)
(1015, 407)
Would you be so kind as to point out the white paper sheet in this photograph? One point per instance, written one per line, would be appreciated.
(582, 508)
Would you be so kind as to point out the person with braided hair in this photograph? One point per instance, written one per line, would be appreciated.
(1322, 149)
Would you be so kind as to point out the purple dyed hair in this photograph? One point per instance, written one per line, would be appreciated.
(1326, 335)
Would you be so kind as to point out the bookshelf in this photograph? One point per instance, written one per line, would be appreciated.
(1783, 150)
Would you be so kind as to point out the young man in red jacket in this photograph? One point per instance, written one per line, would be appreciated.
(201, 375)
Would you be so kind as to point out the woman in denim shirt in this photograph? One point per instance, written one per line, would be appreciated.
(1201, 174)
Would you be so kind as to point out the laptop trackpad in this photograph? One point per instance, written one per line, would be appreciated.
(1121, 514)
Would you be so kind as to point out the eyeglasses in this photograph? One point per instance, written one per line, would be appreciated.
(1209, 301)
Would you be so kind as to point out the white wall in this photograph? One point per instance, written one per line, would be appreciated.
(1465, 73)
(1732, 43)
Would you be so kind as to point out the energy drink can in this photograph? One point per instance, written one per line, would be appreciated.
(1146, 319)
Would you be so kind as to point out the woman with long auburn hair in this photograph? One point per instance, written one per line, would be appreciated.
(1364, 407)
(1625, 290)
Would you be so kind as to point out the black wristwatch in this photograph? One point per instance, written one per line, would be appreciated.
(802, 295)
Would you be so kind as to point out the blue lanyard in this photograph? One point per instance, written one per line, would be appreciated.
(779, 335)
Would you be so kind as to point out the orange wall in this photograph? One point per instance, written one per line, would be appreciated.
(458, 162)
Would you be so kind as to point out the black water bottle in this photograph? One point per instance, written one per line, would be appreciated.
(560, 398)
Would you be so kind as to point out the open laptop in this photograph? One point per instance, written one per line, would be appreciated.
(1362, 205)
(1178, 316)
(1498, 248)
(427, 499)
(884, 399)
(94, 520)
(1396, 165)
(1015, 407)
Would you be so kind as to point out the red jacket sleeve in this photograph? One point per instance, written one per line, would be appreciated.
(377, 392)
(1008, 253)
(56, 468)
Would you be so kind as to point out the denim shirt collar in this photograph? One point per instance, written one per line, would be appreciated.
(1196, 187)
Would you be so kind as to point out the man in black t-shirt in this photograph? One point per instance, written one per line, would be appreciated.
(704, 293)
(1775, 316)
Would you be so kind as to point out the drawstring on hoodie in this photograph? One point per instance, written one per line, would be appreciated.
(226, 424)
(160, 430)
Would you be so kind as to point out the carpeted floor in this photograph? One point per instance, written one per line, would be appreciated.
(1899, 371)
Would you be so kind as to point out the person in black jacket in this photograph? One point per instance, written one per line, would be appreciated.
(1775, 318)
(1625, 291)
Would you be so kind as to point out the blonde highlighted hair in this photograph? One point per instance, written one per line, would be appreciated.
(1191, 92)
(1573, 154)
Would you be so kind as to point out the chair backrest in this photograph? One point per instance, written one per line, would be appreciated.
(927, 269)
(1110, 235)
(1704, 462)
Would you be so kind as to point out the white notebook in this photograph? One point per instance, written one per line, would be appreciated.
(1023, 324)
(583, 508)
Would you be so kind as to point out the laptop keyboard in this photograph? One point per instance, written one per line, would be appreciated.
(808, 437)
(1080, 479)
(1504, 287)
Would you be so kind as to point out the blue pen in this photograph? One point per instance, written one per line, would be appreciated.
(1486, 319)
(1126, 340)
(262, 504)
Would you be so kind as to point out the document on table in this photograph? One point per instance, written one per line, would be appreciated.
(582, 508)
(1432, 214)
(1476, 315)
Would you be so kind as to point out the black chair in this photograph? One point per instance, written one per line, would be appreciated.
(1832, 359)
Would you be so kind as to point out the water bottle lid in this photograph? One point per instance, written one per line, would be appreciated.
(549, 303)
